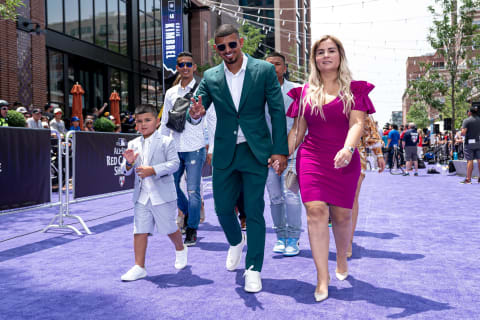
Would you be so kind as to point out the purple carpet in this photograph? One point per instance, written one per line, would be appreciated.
(416, 254)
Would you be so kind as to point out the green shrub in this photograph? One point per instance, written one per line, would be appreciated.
(104, 125)
(16, 119)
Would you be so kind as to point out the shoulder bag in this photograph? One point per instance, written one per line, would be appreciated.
(178, 115)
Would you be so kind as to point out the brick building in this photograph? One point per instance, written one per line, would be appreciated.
(285, 24)
(108, 45)
(23, 70)
(414, 71)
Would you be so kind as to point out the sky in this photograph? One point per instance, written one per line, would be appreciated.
(377, 51)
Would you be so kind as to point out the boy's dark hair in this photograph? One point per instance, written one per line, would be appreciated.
(225, 30)
(394, 126)
(184, 54)
(276, 54)
(146, 108)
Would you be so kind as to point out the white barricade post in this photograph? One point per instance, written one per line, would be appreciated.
(63, 149)
(96, 158)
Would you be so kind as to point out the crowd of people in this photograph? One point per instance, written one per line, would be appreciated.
(302, 143)
(51, 116)
(417, 145)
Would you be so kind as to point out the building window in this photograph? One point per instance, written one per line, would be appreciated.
(150, 32)
(151, 91)
(55, 77)
(119, 83)
(113, 21)
(86, 20)
(102, 22)
(55, 15)
(122, 11)
(72, 19)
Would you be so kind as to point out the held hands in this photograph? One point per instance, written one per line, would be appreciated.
(209, 159)
(278, 162)
(342, 158)
(197, 110)
(381, 164)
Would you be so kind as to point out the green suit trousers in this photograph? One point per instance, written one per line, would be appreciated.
(248, 174)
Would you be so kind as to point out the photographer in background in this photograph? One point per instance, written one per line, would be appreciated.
(471, 132)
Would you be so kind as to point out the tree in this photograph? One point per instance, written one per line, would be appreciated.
(418, 115)
(454, 37)
(253, 38)
(8, 10)
(426, 93)
(296, 71)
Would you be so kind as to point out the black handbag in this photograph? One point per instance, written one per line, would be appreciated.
(178, 115)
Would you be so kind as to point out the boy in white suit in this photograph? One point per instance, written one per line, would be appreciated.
(155, 159)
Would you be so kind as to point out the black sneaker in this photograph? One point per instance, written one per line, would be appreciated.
(466, 181)
(191, 237)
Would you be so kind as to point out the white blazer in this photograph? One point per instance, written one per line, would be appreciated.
(164, 159)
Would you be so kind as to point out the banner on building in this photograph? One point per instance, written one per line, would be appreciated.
(97, 159)
(24, 167)
(172, 16)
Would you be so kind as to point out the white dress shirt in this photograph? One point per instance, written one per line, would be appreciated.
(235, 85)
(147, 183)
(192, 138)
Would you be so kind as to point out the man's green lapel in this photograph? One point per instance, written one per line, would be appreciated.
(248, 81)
(223, 86)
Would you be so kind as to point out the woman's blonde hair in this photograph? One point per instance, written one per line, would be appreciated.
(315, 94)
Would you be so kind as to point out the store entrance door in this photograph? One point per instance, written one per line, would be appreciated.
(92, 76)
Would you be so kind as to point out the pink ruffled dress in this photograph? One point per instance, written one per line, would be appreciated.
(317, 176)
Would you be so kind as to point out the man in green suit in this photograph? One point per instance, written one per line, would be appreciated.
(243, 147)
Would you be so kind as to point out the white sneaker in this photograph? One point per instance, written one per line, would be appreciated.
(135, 273)
(279, 246)
(235, 255)
(253, 281)
(181, 258)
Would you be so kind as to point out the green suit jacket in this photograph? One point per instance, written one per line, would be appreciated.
(260, 86)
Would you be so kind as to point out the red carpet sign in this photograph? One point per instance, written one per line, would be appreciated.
(24, 167)
(97, 162)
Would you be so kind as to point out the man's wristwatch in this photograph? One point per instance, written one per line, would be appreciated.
(351, 149)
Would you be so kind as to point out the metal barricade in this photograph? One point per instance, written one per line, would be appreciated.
(63, 150)
(70, 142)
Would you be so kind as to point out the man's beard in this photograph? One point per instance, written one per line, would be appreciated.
(230, 62)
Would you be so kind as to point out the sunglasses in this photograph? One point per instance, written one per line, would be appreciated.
(4, 109)
(231, 45)
(183, 64)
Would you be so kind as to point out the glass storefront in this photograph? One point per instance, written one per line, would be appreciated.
(150, 33)
(151, 92)
(95, 43)
(55, 77)
(102, 22)
(119, 83)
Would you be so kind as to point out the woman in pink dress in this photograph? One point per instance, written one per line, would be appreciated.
(328, 164)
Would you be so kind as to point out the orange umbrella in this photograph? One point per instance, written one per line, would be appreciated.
(77, 92)
(115, 106)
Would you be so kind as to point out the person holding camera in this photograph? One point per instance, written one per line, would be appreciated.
(471, 132)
